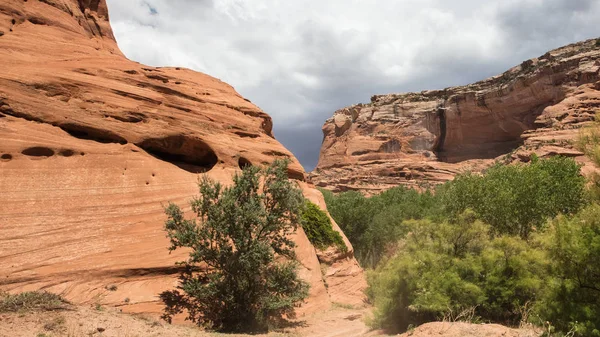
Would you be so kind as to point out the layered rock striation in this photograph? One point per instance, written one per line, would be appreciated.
(93, 144)
(425, 138)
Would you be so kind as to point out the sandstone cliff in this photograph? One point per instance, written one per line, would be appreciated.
(91, 145)
(428, 137)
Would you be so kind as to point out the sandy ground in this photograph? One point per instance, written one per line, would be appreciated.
(462, 329)
(110, 322)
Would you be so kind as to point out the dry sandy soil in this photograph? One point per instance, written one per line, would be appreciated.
(111, 322)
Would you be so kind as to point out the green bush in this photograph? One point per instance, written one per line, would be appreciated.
(448, 270)
(514, 274)
(318, 228)
(353, 213)
(479, 248)
(423, 281)
(374, 225)
(513, 199)
(234, 279)
(517, 199)
(352, 210)
(572, 298)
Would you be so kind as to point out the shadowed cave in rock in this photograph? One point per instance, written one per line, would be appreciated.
(485, 137)
(38, 151)
(188, 153)
(90, 133)
(244, 163)
(91, 4)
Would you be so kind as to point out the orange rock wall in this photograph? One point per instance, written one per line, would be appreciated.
(92, 145)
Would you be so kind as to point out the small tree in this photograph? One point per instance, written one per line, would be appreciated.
(241, 273)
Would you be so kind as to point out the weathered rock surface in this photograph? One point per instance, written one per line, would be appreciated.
(428, 137)
(91, 145)
(462, 329)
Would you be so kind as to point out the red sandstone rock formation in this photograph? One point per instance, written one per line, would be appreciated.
(463, 329)
(91, 145)
(428, 137)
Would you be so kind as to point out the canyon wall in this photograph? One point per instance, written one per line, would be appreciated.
(421, 139)
(92, 145)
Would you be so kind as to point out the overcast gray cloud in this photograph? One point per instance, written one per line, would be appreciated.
(301, 60)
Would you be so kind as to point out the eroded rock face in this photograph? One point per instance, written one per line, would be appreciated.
(429, 137)
(91, 146)
(463, 329)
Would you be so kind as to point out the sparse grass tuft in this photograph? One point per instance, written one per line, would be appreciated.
(31, 301)
(112, 287)
(342, 305)
(55, 324)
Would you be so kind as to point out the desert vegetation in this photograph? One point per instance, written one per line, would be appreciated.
(515, 245)
(318, 228)
(31, 301)
(241, 274)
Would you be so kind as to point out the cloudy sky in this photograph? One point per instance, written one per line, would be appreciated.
(301, 60)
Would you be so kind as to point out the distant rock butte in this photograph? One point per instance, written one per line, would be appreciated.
(428, 137)
(91, 146)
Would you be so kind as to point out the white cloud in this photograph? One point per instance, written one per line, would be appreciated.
(301, 60)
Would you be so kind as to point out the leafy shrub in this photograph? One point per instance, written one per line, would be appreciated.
(442, 270)
(233, 279)
(422, 281)
(352, 210)
(374, 225)
(31, 301)
(513, 199)
(472, 247)
(354, 213)
(514, 274)
(318, 228)
(516, 199)
(572, 298)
